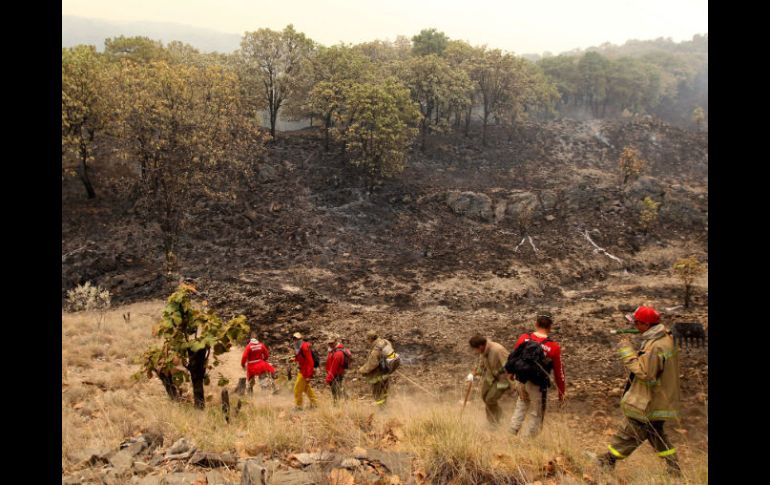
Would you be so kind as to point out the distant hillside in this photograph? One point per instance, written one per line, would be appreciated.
(80, 30)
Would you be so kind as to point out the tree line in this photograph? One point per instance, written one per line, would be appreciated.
(190, 122)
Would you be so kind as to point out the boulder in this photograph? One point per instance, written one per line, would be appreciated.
(470, 204)
(644, 186)
(521, 202)
(181, 450)
(123, 460)
(254, 473)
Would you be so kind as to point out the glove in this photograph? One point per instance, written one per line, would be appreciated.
(624, 342)
(469, 377)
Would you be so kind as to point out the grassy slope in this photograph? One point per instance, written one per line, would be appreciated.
(102, 405)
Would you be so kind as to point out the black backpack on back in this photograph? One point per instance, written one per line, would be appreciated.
(316, 359)
(528, 362)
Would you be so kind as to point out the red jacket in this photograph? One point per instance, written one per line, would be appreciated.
(305, 360)
(334, 364)
(552, 351)
(255, 355)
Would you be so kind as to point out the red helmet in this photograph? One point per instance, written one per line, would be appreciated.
(646, 314)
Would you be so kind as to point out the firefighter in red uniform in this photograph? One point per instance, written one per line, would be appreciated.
(335, 367)
(304, 358)
(254, 360)
(532, 395)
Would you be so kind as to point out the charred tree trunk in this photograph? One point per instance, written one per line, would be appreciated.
(168, 384)
(83, 170)
(226, 405)
(197, 367)
(273, 117)
(468, 115)
(327, 126)
(484, 129)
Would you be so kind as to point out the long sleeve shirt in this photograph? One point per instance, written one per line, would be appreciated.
(553, 352)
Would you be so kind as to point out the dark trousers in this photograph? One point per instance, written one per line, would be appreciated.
(380, 391)
(634, 433)
(336, 388)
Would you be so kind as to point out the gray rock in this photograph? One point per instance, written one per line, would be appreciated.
(124, 459)
(644, 186)
(304, 459)
(521, 202)
(549, 199)
(213, 477)
(470, 204)
(181, 450)
(181, 446)
(500, 208)
(213, 460)
(254, 473)
(291, 477)
(183, 478)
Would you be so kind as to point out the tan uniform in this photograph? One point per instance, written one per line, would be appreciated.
(652, 397)
(494, 380)
(371, 370)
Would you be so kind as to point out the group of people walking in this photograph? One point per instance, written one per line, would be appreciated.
(382, 361)
(650, 398)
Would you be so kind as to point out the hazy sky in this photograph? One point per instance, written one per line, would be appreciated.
(521, 26)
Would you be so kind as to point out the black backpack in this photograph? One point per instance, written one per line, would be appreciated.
(347, 357)
(528, 362)
(316, 359)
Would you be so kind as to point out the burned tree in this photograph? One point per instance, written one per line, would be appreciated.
(191, 334)
(687, 269)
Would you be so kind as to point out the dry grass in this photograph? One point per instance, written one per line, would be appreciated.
(102, 405)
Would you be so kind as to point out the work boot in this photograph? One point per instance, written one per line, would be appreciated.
(607, 461)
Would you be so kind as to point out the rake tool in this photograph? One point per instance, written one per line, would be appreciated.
(686, 334)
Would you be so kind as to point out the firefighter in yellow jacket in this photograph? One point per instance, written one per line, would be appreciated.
(372, 369)
(495, 381)
(652, 393)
